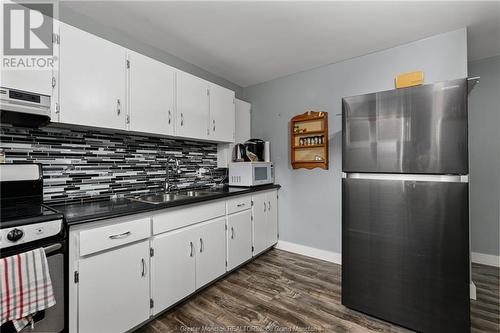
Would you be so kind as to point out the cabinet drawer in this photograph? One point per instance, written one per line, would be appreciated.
(110, 236)
(238, 204)
(184, 216)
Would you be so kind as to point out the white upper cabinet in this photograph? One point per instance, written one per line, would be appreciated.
(192, 107)
(102, 84)
(151, 95)
(92, 80)
(241, 133)
(222, 114)
(15, 76)
(35, 81)
(243, 120)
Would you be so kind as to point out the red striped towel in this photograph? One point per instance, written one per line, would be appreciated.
(25, 287)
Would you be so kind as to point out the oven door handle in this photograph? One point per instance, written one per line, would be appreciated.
(51, 248)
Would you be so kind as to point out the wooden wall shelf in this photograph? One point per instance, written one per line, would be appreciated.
(309, 140)
(310, 133)
(307, 147)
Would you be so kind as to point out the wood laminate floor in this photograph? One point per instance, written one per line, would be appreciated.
(285, 292)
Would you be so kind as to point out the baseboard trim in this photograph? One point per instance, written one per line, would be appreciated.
(335, 257)
(472, 291)
(310, 252)
(485, 259)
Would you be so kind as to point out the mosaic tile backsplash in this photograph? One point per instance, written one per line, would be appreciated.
(81, 164)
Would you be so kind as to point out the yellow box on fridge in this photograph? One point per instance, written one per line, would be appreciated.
(409, 79)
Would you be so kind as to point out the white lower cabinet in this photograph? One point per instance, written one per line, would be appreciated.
(124, 270)
(239, 238)
(265, 221)
(174, 267)
(113, 289)
(211, 254)
(185, 260)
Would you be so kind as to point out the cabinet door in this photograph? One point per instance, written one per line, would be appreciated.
(151, 101)
(222, 114)
(36, 81)
(242, 121)
(272, 218)
(113, 289)
(30, 79)
(173, 267)
(239, 238)
(92, 80)
(241, 133)
(211, 251)
(260, 228)
(192, 107)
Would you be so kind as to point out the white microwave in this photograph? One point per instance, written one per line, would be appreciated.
(251, 173)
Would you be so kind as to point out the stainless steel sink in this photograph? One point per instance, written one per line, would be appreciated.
(194, 193)
(156, 199)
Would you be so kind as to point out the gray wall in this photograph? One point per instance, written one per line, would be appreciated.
(310, 200)
(78, 20)
(484, 133)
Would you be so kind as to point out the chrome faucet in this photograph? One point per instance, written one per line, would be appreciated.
(169, 187)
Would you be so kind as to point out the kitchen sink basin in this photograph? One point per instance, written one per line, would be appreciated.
(156, 199)
(195, 193)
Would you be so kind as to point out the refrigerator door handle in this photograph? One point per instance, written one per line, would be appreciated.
(409, 177)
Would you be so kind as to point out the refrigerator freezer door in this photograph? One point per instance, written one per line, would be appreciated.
(405, 251)
(414, 130)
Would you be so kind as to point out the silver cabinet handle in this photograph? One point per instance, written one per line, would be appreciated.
(169, 117)
(269, 205)
(214, 124)
(143, 265)
(191, 248)
(232, 233)
(201, 245)
(182, 119)
(118, 106)
(240, 205)
(265, 208)
(119, 236)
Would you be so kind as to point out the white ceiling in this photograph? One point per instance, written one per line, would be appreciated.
(252, 42)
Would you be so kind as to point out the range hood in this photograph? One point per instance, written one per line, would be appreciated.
(24, 108)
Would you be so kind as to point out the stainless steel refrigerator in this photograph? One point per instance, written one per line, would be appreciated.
(405, 213)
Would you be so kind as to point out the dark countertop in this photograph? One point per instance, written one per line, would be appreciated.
(78, 213)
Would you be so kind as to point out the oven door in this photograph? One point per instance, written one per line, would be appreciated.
(51, 320)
